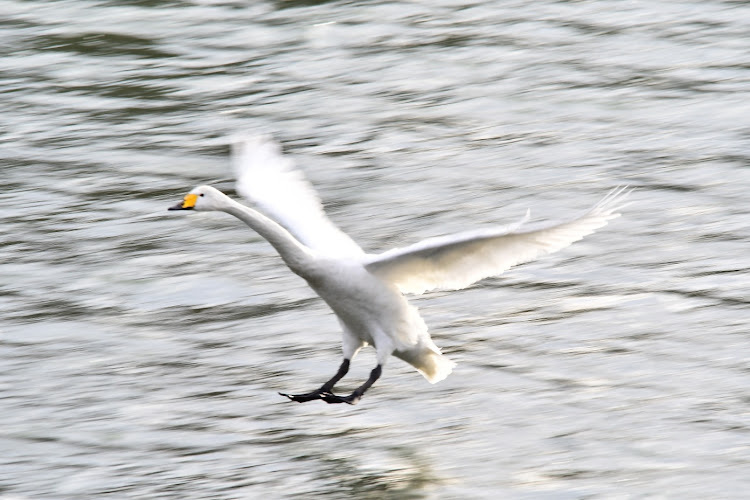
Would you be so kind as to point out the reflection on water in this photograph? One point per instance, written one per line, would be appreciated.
(141, 353)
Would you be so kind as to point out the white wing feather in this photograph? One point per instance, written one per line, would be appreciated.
(457, 261)
(272, 182)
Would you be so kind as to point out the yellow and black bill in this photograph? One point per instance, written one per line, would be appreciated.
(187, 204)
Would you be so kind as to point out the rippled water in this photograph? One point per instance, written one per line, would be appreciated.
(141, 351)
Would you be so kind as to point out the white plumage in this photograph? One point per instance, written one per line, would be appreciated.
(271, 181)
(365, 291)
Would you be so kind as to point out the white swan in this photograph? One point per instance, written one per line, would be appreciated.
(364, 290)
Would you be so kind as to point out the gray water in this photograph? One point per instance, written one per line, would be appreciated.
(141, 351)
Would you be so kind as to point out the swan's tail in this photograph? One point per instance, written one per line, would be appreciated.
(435, 367)
(415, 346)
(429, 362)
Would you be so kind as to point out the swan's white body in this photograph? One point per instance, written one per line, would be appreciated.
(365, 291)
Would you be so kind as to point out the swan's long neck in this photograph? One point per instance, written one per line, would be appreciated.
(297, 256)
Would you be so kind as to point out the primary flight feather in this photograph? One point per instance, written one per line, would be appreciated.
(365, 291)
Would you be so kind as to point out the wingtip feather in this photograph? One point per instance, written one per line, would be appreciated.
(613, 202)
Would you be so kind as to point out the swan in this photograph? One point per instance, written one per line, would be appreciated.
(366, 291)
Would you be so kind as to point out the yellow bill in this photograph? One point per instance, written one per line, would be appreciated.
(187, 203)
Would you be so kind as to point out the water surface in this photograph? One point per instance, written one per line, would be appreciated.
(141, 351)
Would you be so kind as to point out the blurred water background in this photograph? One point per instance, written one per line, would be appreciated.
(141, 351)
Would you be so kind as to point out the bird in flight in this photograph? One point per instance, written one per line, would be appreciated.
(366, 291)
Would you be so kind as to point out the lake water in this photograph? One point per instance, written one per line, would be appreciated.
(141, 351)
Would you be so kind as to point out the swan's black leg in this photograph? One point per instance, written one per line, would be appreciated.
(324, 389)
(355, 396)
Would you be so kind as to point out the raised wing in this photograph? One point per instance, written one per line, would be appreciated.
(457, 261)
(273, 183)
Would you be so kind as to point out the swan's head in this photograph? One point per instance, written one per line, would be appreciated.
(203, 198)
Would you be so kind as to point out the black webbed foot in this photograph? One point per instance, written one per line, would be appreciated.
(331, 398)
(326, 395)
(303, 398)
(324, 389)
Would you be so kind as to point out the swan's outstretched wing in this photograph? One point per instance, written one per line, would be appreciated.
(457, 261)
(271, 181)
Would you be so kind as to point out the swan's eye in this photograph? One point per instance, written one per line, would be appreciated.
(203, 194)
